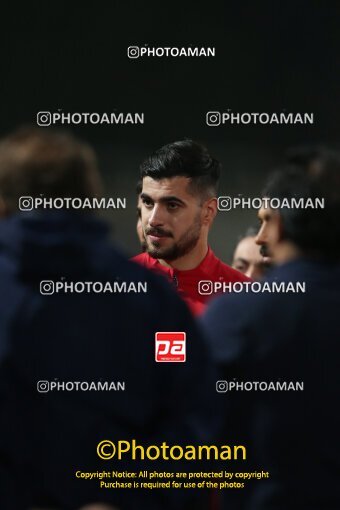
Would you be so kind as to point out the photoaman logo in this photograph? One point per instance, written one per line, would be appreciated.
(132, 450)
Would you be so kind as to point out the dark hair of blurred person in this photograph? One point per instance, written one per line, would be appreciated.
(35, 162)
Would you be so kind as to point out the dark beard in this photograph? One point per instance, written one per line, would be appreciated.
(185, 245)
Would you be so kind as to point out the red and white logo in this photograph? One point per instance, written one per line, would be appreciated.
(170, 347)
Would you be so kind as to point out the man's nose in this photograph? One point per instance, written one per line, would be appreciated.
(260, 237)
(156, 217)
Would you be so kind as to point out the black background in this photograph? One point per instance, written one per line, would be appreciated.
(270, 57)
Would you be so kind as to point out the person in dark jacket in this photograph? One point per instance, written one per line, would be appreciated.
(292, 340)
(77, 364)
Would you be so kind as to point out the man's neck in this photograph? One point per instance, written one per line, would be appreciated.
(190, 260)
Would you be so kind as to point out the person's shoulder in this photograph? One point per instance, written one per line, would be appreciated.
(158, 286)
(313, 271)
(141, 258)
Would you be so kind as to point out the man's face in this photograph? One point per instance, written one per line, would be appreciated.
(171, 217)
(248, 260)
(269, 234)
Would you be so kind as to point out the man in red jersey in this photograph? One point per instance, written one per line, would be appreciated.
(179, 205)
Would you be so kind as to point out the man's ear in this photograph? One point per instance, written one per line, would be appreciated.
(209, 211)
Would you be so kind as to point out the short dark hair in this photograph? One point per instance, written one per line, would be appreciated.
(188, 159)
(46, 162)
(139, 187)
(316, 232)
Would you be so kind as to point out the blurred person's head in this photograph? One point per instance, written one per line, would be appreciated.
(247, 257)
(269, 232)
(139, 226)
(309, 157)
(287, 233)
(36, 162)
(178, 199)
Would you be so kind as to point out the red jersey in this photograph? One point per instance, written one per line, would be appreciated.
(196, 286)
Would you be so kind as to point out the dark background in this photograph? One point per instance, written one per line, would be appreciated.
(270, 57)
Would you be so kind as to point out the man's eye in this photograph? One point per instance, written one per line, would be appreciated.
(147, 203)
(241, 267)
(172, 205)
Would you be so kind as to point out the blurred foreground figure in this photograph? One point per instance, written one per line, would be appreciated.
(55, 344)
(267, 343)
